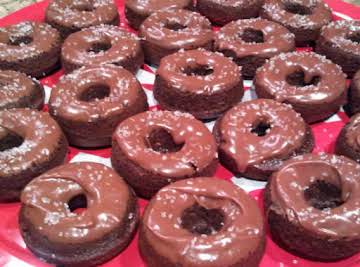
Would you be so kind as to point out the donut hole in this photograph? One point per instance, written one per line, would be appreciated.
(174, 26)
(77, 204)
(198, 70)
(323, 195)
(86, 6)
(261, 128)
(20, 40)
(297, 8)
(354, 37)
(250, 35)
(298, 79)
(99, 47)
(10, 140)
(200, 220)
(160, 140)
(95, 92)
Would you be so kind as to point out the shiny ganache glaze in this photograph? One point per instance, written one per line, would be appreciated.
(276, 38)
(272, 78)
(241, 234)
(194, 30)
(45, 202)
(197, 152)
(147, 7)
(225, 73)
(286, 133)
(289, 183)
(19, 91)
(41, 136)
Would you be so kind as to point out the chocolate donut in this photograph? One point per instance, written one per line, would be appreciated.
(136, 11)
(20, 91)
(99, 45)
(314, 86)
(90, 102)
(251, 42)
(312, 207)
(255, 137)
(70, 16)
(214, 224)
(200, 82)
(339, 41)
(166, 32)
(155, 148)
(222, 12)
(31, 143)
(354, 94)
(30, 47)
(303, 18)
(56, 233)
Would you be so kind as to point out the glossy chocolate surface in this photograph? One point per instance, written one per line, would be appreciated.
(147, 7)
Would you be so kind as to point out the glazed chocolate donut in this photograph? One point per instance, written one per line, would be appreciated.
(354, 94)
(30, 47)
(56, 233)
(339, 41)
(20, 91)
(90, 102)
(31, 143)
(314, 86)
(136, 11)
(166, 32)
(200, 82)
(155, 148)
(222, 12)
(214, 224)
(312, 207)
(70, 16)
(251, 42)
(303, 18)
(255, 137)
(99, 45)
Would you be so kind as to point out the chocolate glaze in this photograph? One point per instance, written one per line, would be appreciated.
(285, 135)
(353, 132)
(46, 201)
(147, 7)
(198, 151)
(20, 91)
(287, 194)
(354, 94)
(242, 232)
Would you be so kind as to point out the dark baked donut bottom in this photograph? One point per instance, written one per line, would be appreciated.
(302, 242)
(343, 148)
(12, 185)
(85, 254)
(263, 170)
(353, 105)
(144, 182)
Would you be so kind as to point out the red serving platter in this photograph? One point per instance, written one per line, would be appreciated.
(13, 252)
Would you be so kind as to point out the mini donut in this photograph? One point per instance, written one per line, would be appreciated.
(56, 233)
(250, 42)
(199, 82)
(102, 44)
(312, 207)
(354, 94)
(303, 18)
(314, 86)
(90, 102)
(20, 91)
(70, 16)
(255, 137)
(31, 143)
(154, 148)
(339, 41)
(214, 224)
(222, 12)
(136, 11)
(166, 32)
(30, 47)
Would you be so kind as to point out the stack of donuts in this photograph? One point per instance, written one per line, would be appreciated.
(84, 214)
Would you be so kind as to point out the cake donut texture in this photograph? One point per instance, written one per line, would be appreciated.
(215, 223)
(90, 102)
(31, 143)
(55, 232)
(312, 206)
(155, 148)
(256, 136)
